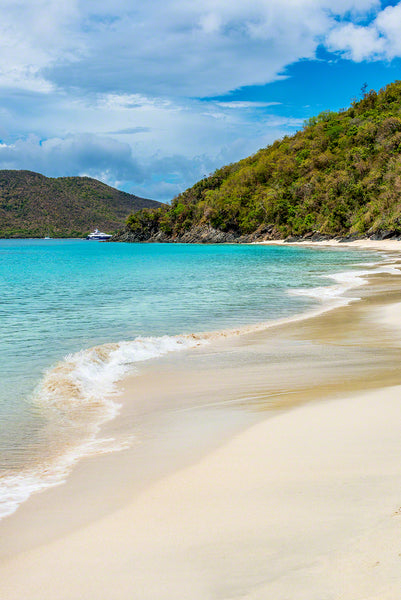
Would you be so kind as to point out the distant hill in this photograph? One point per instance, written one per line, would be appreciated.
(32, 205)
(340, 175)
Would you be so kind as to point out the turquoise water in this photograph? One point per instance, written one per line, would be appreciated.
(63, 297)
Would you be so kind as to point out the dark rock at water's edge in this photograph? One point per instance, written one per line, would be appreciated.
(205, 234)
(386, 235)
(316, 236)
(200, 234)
(313, 236)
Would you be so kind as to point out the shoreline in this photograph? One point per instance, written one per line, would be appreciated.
(391, 243)
(362, 243)
(320, 355)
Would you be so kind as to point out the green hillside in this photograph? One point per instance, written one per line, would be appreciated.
(32, 205)
(339, 175)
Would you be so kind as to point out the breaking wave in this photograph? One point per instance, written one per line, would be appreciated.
(76, 397)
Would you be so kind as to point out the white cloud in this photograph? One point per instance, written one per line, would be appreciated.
(388, 24)
(35, 34)
(89, 154)
(193, 49)
(380, 40)
(161, 47)
(357, 43)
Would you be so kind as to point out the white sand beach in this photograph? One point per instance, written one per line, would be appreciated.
(275, 475)
(305, 505)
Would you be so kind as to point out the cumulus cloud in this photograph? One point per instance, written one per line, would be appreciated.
(161, 47)
(82, 154)
(379, 40)
(357, 43)
(186, 48)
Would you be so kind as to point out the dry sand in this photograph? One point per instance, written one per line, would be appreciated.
(365, 244)
(274, 474)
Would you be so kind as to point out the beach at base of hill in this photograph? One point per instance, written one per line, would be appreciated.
(262, 466)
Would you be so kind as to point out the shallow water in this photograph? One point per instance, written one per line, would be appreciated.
(68, 304)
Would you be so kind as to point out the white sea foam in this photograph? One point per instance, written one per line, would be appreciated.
(334, 295)
(77, 396)
(345, 281)
(88, 378)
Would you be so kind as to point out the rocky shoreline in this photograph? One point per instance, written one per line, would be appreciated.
(205, 234)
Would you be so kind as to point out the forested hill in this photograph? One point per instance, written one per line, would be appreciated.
(339, 175)
(32, 205)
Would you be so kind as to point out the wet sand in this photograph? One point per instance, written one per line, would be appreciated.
(260, 466)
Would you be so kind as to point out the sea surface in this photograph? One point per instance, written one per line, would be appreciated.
(77, 316)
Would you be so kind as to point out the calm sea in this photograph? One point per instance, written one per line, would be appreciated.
(76, 316)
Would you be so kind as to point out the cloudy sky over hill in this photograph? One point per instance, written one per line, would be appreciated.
(152, 96)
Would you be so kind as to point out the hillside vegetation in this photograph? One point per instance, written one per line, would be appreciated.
(32, 205)
(339, 175)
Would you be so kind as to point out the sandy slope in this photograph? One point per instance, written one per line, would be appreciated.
(305, 505)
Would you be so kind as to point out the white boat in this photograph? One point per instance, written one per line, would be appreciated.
(98, 236)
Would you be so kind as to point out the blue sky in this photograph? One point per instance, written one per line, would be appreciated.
(150, 97)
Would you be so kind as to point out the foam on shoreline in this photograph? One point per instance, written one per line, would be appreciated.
(76, 397)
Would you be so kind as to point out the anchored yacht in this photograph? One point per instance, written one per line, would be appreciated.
(98, 236)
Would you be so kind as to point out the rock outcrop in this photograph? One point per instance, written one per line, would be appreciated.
(200, 234)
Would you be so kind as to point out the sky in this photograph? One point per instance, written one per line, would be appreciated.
(151, 96)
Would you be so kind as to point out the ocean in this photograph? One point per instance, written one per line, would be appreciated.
(77, 316)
